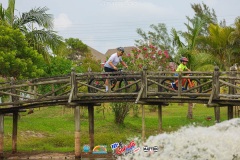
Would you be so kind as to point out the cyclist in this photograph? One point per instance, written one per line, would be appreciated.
(112, 62)
(180, 68)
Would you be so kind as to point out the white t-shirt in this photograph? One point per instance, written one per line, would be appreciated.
(114, 59)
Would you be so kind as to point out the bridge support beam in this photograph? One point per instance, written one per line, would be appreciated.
(217, 114)
(91, 126)
(1, 134)
(230, 112)
(14, 132)
(77, 133)
(160, 118)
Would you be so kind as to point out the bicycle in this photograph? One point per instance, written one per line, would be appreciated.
(125, 84)
(188, 85)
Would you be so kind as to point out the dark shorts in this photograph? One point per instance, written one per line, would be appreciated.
(106, 69)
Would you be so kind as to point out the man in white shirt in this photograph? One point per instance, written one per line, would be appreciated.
(112, 62)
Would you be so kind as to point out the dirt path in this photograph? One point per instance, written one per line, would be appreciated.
(46, 156)
(18, 156)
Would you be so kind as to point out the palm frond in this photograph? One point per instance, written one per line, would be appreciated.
(36, 16)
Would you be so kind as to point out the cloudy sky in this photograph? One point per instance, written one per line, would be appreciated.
(107, 24)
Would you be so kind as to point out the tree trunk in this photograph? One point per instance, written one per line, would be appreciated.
(190, 112)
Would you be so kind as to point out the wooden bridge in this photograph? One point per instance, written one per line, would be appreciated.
(216, 89)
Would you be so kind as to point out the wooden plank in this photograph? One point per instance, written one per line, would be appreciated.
(140, 93)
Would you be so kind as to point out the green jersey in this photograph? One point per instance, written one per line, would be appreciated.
(181, 67)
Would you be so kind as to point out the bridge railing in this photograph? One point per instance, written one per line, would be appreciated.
(139, 85)
(92, 84)
(15, 93)
(159, 84)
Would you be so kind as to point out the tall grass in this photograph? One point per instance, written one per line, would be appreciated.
(52, 128)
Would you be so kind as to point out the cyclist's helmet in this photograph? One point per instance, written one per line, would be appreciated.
(183, 59)
(120, 49)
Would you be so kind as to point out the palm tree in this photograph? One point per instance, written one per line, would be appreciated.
(36, 25)
(234, 40)
(218, 46)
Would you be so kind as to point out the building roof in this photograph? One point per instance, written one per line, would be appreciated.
(97, 55)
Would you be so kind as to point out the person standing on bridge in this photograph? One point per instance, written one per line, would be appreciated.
(182, 67)
(112, 62)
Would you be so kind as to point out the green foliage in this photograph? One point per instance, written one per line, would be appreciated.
(41, 38)
(59, 66)
(16, 58)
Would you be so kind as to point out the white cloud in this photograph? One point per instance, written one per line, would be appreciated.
(62, 22)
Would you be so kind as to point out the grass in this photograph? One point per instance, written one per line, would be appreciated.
(51, 129)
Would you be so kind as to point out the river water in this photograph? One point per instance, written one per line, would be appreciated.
(218, 142)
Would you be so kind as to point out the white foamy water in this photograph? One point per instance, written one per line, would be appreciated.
(218, 142)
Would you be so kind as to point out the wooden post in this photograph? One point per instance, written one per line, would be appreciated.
(143, 123)
(217, 114)
(232, 90)
(144, 82)
(230, 112)
(91, 125)
(14, 132)
(160, 118)
(74, 84)
(77, 132)
(1, 134)
(179, 83)
(15, 118)
(159, 106)
(216, 85)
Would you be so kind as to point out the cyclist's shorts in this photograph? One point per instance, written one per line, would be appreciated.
(106, 69)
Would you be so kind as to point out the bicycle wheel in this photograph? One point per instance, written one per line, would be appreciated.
(96, 83)
(195, 83)
(132, 88)
(167, 83)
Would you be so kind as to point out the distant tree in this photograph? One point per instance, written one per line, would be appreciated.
(203, 12)
(157, 37)
(17, 59)
(89, 63)
(76, 49)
